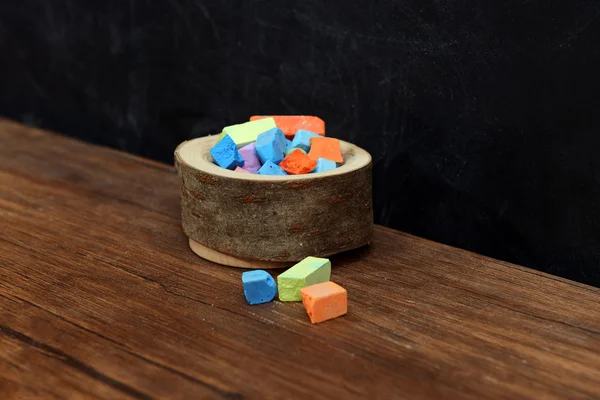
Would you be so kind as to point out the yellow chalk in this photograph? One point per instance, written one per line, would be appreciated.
(243, 134)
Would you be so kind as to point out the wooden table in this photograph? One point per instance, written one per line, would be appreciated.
(100, 297)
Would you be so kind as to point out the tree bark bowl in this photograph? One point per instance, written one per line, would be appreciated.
(266, 221)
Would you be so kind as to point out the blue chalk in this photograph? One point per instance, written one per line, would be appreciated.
(302, 139)
(324, 165)
(259, 286)
(271, 169)
(288, 144)
(225, 153)
(270, 146)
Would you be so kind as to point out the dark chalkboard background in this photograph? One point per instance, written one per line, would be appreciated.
(482, 116)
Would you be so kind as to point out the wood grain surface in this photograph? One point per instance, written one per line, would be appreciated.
(101, 297)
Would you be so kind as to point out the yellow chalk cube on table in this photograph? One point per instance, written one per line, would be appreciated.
(310, 271)
(243, 134)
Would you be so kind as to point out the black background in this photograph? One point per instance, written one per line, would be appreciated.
(482, 116)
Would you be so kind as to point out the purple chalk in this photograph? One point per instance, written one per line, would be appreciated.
(251, 161)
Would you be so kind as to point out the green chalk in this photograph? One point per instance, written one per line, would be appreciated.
(243, 134)
(310, 271)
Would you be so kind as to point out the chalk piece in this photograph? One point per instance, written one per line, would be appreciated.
(328, 148)
(297, 163)
(290, 124)
(270, 146)
(251, 162)
(324, 165)
(271, 169)
(288, 146)
(242, 170)
(290, 150)
(259, 286)
(245, 133)
(310, 271)
(225, 154)
(302, 139)
(324, 301)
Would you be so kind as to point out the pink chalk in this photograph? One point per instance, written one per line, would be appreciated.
(251, 162)
(239, 169)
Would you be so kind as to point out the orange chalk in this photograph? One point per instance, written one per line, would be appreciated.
(297, 162)
(328, 148)
(290, 124)
(324, 301)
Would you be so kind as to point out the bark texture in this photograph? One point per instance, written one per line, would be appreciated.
(277, 221)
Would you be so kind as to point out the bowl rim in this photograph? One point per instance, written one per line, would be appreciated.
(199, 159)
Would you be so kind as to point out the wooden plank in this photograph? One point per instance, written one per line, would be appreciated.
(101, 297)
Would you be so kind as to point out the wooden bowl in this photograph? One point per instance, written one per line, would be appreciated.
(266, 221)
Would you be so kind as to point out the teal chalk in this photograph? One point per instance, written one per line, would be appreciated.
(270, 146)
(324, 165)
(271, 169)
(302, 139)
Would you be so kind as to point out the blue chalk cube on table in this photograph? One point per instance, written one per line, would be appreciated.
(302, 139)
(259, 286)
(226, 155)
(324, 165)
(270, 146)
(271, 169)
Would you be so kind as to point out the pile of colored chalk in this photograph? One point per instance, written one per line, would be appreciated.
(277, 145)
(308, 281)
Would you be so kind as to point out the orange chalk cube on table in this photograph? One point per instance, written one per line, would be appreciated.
(329, 148)
(324, 301)
(290, 124)
(297, 162)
